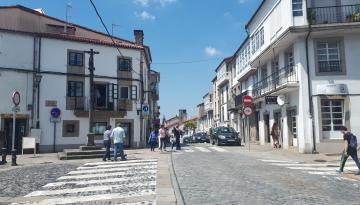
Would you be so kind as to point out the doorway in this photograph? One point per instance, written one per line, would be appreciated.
(20, 132)
(127, 128)
(277, 119)
(100, 90)
(292, 126)
(267, 127)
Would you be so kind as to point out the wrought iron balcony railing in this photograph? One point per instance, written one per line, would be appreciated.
(334, 14)
(275, 81)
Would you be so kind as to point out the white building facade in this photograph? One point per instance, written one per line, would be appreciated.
(49, 67)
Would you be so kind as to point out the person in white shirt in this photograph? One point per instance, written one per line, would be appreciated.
(118, 135)
(162, 137)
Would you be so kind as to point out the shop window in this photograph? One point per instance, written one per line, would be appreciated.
(70, 128)
(99, 128)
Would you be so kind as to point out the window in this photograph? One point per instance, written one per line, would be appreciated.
(124, 92)
(328, 56)
(297, 7)
(332, 113)
(75, 89)
(257, 40)
(99, 128)
(70, 128)
(75, 58)
(124, 64)
(134, 92)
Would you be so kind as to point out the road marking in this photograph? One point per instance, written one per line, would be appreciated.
(113, 169)
(278, 161)
(118, 165)
(100, 197)
(89, 189)
(121, 162)
(101, 181)
(219, 149)
(189, 150)
(320, 168)
(202, 149)
(87, 176)
(323, 173)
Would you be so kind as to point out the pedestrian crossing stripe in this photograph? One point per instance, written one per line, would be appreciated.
(219, 149)
(89, 189)
(202, 149)
(121, 162)
(102, 182)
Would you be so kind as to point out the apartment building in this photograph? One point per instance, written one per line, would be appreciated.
(299, 63)
(44, 59)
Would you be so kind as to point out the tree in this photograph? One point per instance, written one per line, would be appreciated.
(189, 126)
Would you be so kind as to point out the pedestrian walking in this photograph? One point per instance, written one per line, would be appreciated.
(177, 132)
(107, 143)
(350, 149)
(153, 140)
(173, 142)
(118, 135)
(162, 137)
(275, 134)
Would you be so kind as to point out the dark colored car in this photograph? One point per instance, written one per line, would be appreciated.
(225, 135)
(201, 137)
(188, 139)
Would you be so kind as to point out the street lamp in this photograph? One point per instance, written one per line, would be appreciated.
(37, 80)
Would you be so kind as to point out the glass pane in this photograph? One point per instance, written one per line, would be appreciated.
(337, 127)
(337, 103)
(326, 115)
(334, 57)
(325, 102)
(337, 115)
(321, 45)
(337, 122)
(326, 128)
(337, 109)
(326, 122)
(333, 45)
(325, 109)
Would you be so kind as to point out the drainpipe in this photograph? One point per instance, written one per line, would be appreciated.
(38, 89)
(311, 107)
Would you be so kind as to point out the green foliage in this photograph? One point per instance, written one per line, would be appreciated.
(189, 125)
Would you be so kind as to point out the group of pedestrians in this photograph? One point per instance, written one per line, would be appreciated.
(117, 135)
(161, 138)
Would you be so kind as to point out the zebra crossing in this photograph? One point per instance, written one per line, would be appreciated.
(130, 182)
(203, 149)
(322, 169)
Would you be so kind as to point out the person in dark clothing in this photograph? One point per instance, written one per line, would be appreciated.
(350, 149)
(177, 132)
(107, 143)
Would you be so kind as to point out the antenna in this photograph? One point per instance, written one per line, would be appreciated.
(67, 15)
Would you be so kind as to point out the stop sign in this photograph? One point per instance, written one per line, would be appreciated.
(248, 100)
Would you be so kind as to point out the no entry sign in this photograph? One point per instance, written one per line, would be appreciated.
(248, 100)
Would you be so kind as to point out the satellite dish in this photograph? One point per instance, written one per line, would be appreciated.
(281, 100)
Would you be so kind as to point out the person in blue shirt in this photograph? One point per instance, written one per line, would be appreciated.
(153, 140)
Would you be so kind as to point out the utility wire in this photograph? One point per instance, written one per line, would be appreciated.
(107, 31)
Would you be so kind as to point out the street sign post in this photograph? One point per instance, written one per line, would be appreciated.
(248, 100)
(54, 118)
(247, 110)
(145, 110)
(16, 100)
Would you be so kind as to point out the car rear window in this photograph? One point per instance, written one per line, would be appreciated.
(226, 129)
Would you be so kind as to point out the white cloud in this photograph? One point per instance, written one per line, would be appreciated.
(165, 2)
(243, 1)
(145, 16)
(143, 3)
(211, 51)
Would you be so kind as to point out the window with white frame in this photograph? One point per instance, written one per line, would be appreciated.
(332, 113)
(297, 7)
(257, 40)
(328, 56)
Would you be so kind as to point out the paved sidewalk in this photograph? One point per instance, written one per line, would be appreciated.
(164, 189)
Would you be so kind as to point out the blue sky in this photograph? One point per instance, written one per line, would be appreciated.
(177, 31)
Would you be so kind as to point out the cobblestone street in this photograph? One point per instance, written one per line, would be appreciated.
(232, 175)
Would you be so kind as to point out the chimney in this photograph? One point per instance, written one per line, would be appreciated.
(139, 36)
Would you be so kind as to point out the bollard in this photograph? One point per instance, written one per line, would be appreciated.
(3, 155)
(13, 157)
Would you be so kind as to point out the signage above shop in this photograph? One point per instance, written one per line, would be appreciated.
(332, 89)
(271, 100)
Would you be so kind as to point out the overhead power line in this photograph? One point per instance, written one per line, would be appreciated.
(107, 31)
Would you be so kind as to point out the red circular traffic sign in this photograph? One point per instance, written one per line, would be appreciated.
(16, 98)
(247, 100)
(247, 110)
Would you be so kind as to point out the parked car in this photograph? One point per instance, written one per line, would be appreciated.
(187, 139)
(201, 137)
(225, 135)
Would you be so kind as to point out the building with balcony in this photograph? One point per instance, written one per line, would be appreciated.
(53, 72)
(299, 64)
(209, 110)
